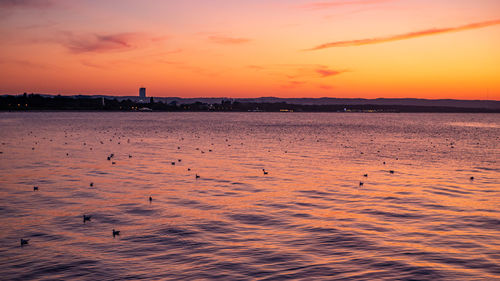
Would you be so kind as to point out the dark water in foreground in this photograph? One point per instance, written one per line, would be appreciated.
(308, 218)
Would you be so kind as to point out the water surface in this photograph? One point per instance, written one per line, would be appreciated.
(308, 218)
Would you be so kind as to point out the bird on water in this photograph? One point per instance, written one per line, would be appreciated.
(115, 232)
(24, 242)
(150, 199)
(264, 171)
(86, 218)
(35, 188)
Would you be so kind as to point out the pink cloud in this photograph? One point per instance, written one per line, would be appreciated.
(325, 87)
(256, 67)
(37, 4)
(406, 36)
(23, 63)
(224, 40)
(292, 84)
(328, 72)
(102, 43)
(332, 4)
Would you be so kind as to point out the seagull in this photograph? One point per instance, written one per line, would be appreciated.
(391, 171)
(361, 183)
(35, 188)
(197, 176)
(86, 218)
(24, 241)
(365, 175)
(264, 171)
(115, 232)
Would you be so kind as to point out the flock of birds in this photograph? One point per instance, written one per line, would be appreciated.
(89, 217)
(86, 218)
(111, 156)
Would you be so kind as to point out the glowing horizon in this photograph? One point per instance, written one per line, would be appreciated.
(245, 49)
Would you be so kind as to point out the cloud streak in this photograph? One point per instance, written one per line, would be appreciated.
(323, 72)
(224, 40)
(405, 36)
(36, 4)
(333, 4)
(102, 43)
(23, 63)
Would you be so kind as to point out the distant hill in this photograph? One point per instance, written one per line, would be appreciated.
(473, 104)
(486, 104)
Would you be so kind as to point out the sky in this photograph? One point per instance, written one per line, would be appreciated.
(252, 48)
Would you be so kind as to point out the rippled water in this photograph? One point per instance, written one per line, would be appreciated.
(308, 218)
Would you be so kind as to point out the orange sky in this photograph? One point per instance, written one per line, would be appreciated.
(252, 48)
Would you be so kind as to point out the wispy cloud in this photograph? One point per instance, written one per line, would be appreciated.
(405, 36)
(325, 87)
(23, 63)
(324, 72)
(37, 4)
(255, 67)
(292, 84)
(102, 43)
(339, 3)
(225, 40)
(299, 71)
(93, 65)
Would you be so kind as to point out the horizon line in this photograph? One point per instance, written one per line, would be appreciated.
(261, 97)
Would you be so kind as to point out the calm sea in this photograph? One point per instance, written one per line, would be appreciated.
(308, 218)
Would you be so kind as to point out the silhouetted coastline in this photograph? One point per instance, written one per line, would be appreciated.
(37, 102)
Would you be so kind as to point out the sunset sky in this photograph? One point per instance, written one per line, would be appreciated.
(252, 48)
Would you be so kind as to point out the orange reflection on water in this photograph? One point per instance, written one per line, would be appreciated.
(309, 212)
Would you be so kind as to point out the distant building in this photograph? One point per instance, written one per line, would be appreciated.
(142, 93)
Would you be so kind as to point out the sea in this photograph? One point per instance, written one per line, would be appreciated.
(249, 196)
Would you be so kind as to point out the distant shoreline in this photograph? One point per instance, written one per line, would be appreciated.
(249, 112)
(39, 103)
